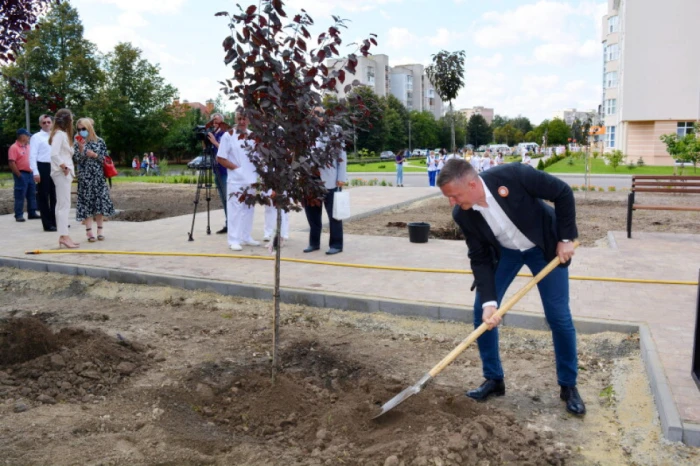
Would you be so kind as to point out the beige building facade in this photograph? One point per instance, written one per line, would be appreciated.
(487, 113)
(372, 71)
(569, 115)
(651, 75)
(411, 86)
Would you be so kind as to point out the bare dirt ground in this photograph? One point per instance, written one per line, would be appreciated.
(596, 214)
(93, 372)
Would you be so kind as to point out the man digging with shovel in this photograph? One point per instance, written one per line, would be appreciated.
(507, 225)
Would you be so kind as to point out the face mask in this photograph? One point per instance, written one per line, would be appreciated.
(84, 133)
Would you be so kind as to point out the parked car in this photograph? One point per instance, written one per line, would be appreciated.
(419, 153)
(387, 155)
(199, 163)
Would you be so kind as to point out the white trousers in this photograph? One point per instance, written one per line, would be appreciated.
(239, 220)
(271, 222)
(62, 184)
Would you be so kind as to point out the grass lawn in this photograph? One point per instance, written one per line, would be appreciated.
(388, 167)
(598, 167)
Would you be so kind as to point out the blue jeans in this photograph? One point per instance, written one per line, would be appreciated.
(431, 177)
(220, 180)
(399, 174)
(554, 291)
(25, 188)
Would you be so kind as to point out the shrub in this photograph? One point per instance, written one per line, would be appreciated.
(540, 165)
(574, 187)
(600, 189)
(631, 166)
(383, 183)
(362, 164)
(570, 161)
(382, 166)
(640, 162)
(422, 162)
(611, 188)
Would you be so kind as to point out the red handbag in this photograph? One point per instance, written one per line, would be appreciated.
(109, 168)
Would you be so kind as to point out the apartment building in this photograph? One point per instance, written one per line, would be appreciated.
(411, 86)
(651, 75)
(372, 71)
(569, 115)
(487, 113)
(408, 83)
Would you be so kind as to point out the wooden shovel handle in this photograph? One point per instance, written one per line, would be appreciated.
(447, 360)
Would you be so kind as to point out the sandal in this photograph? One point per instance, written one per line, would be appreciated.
(99, 236)
(90, 238)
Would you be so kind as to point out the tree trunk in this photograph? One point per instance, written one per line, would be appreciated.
(452, 125)
(276, 296)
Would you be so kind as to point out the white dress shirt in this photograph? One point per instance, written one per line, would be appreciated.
(505, 231)
(233, 149)
(39, 150)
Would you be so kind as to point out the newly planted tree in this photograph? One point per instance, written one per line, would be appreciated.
(16, 18)
(279, 73)
(447, 75)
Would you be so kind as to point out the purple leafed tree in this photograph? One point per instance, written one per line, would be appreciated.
(16, 18)
(280, 72)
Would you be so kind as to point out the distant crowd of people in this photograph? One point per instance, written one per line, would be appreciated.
(147, 165)
(44, 165)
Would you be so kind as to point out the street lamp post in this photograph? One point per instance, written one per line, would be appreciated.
(26, 89)
(409, 135)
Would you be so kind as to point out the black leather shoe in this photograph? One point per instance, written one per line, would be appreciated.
(51, 229)
(19, 219)
(34, 217)
(332, 251)
(486, 389)
(222, 231)
(311, 249)
(574, 403)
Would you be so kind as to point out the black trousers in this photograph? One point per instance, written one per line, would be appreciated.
(314, 215)
(46, 196)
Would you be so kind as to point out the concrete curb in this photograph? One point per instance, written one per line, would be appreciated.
(672, 427)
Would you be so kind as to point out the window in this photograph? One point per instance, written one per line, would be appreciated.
(612, 52)
(684, 127)
(611, 79)
(613, 24)
(431, 93)
(610, 137)
(409, 82)
(370, 75)
(610, 106)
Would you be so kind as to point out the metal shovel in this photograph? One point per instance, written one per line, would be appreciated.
(447, 360)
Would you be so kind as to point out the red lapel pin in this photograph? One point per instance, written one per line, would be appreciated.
(503, 191)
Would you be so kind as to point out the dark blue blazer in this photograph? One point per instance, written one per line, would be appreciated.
(525, 207)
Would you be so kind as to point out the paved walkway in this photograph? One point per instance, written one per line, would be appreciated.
(668, 310)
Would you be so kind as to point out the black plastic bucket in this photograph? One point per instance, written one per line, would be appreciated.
(418, 232)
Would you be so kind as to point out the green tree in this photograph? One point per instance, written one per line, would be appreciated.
(683, 149)
(522, 123)
(478, 131)
(614, 158)
(371, 128)
(396, 125)
(499, 121)
(424, 130)
(447, 75)
(131, 110)
(181, 139)
(62, 69)
(505, 134)
(558, 132)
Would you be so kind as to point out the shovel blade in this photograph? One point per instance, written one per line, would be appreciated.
(404, 395)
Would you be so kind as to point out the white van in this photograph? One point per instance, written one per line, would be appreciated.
(503, 148)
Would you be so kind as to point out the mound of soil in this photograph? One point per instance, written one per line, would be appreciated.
(320, 410)
(70, 365)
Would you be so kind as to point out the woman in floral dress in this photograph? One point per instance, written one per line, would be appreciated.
(89, 152)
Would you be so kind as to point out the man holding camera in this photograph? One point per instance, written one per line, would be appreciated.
(220, 172)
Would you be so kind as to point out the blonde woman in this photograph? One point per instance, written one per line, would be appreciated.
(89, 153)
(62, 172)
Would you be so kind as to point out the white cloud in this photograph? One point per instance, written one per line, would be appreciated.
(487, 62)
(565, 53)
(326, 8)
(399, 38)
(143, 6)
(442, 38)
(481, 87)
(384, 14)
(131, 19)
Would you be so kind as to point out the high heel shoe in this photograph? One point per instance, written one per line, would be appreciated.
(67, 244)
(99, 236)
(90, 238)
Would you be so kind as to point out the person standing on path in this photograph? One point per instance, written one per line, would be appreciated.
(25, 188)
(40, 162)
(62, 172)
(431, 161)
(242, 174)
(334, 178)
(507, 225)
(94, 201)
(399, 168)
(220, 172)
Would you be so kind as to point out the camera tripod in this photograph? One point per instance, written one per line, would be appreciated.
(207, 178)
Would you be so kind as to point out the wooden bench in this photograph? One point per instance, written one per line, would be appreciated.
(660, 184)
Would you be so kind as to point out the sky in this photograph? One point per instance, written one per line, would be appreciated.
(523, 57)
